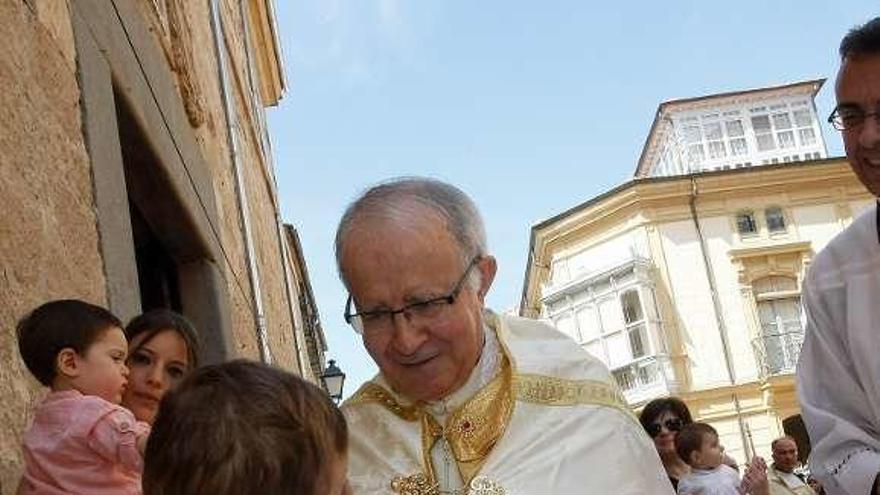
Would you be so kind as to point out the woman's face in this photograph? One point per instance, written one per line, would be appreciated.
(155, 367)
(665, 439)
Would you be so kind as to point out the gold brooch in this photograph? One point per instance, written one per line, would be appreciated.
(416, 484)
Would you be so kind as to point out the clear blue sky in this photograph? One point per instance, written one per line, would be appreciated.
(529, 107)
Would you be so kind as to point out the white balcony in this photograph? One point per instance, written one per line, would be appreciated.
(777, 353)
(645, 379)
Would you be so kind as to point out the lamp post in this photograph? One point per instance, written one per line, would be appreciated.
(333, 379)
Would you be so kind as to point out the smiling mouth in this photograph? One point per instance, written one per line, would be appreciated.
(414, 362)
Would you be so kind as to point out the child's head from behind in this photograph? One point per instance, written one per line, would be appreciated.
(697, 444)
(245, 427)
(71, 344)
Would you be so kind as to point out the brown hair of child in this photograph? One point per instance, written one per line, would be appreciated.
(690, 439)
(243, 427)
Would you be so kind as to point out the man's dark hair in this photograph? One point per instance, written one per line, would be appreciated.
(243, 427)
(58, 325)
(156, 321)
(657, 407)
(862, 40)
(690, 439)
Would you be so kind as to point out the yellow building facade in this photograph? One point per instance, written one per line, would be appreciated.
(689, 285)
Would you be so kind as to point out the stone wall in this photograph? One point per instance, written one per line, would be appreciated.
(50, 233)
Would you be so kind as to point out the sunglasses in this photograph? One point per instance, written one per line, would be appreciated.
(671, 424)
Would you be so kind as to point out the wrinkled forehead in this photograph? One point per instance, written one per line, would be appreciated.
(414, 231)
(784, 445)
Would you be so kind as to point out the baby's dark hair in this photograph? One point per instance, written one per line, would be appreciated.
(243, 427)
(690, 439)
(58, 325)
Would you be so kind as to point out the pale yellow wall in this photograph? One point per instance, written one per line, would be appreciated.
(595, 255)
(696, 317)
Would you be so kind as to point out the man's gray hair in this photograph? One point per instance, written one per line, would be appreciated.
(392, 200)
(784, 438)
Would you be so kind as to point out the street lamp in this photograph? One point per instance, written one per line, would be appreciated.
(333, 378)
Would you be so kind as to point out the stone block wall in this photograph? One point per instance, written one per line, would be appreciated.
(50, 228)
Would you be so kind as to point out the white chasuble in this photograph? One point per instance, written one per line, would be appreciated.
(549, 420)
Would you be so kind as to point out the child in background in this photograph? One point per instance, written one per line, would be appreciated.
(81, 440)
(245, 427)
(697, 444)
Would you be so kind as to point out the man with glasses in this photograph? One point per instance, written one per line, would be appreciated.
(839, 369)
(468, 401)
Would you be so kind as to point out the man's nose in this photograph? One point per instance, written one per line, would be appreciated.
(407, 337)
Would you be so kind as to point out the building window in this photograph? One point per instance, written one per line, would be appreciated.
(786, 139)
(745, 223)
(775, 219)
(611, 318)
(634, 319)
(808, 136)
(782, 333)
(763, 133)
(803, 119)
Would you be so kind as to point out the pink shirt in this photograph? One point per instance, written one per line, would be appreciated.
(82, 444)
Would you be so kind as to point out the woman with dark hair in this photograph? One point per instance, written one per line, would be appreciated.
(163, 347)
(663, 418)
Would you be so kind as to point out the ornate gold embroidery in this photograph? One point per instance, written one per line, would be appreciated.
(371, 393)
(473, 429)
(552, 391)
(482, 485)
(416, 484)
(419, 484)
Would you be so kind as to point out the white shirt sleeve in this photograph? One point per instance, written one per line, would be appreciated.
(845, 452)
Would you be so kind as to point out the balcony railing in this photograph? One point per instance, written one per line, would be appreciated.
(642, 378)
(777, 353)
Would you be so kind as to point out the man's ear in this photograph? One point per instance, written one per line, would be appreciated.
(488, 267)
(67, 363)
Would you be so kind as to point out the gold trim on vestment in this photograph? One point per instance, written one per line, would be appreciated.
(472, 430)
(418, 484)
(552, 391)
(373, 393)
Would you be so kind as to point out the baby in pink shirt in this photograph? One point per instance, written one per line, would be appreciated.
(81, 440)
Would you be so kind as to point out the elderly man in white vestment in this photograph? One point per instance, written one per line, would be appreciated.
(468, 401)
(839, 369)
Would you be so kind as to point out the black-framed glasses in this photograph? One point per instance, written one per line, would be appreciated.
(420, 311)
(849, 117)
(671, 424)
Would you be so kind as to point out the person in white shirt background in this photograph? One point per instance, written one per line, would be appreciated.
(839, 369)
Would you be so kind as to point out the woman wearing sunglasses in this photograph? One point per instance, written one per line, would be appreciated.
(663, 419)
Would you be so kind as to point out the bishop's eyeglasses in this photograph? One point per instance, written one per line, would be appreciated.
(380, 320)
